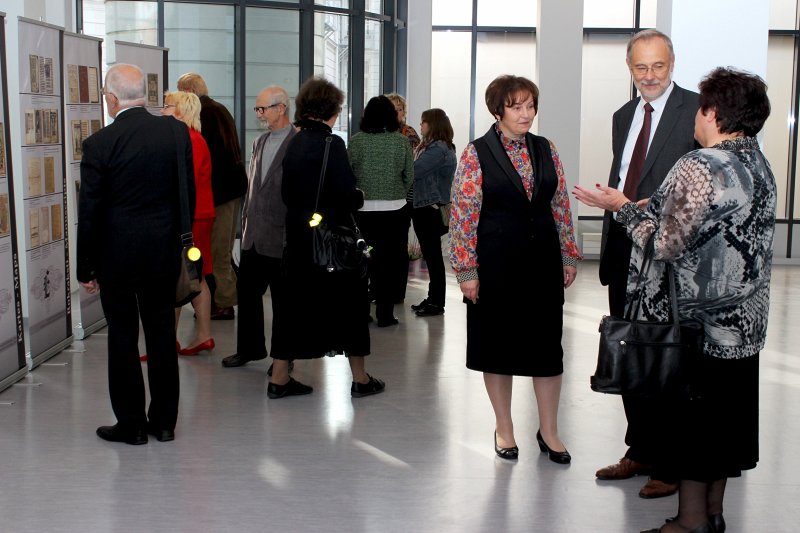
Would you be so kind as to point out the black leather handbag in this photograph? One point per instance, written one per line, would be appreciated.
(643, 358)
(191, 269)
(336, 248)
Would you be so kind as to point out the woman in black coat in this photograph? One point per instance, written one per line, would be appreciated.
(327, 310)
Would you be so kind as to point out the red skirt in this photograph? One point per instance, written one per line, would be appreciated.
(201, 231)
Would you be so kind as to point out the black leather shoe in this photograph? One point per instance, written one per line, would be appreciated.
(291, 368)
(373, 386)
(512, 454)
(116, 434)
(430, 310)
(239, 360)
(291, 388)
(420, 305)
(383, 323)
(561, 458)
(161, 435)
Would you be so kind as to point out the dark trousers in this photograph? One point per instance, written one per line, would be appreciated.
(387, 233)
(648, 418)
(152, 300)
(429, 228)
(256, 274)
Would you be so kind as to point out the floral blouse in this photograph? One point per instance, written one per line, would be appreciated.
(411, 134)
(467, 197)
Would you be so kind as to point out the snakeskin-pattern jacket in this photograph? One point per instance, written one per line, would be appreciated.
(713, 218)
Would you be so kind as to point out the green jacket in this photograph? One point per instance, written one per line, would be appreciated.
(382, 163)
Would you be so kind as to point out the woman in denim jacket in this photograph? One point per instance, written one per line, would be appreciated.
(434, 166)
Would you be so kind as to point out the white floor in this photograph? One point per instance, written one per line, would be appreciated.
(417, 458)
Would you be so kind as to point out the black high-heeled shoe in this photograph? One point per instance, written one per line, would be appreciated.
(705, 528)
(561, 458)
(511, 454)
(716, 520)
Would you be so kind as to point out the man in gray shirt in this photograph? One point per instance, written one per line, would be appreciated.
(263, 220)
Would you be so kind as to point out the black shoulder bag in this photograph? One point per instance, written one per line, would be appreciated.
(643, 358)
(336, 248)
(191, 269)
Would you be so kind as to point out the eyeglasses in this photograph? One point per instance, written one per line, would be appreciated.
(263, 109)
(166, 106)
(657, 69)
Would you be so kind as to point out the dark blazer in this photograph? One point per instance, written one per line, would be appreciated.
(128, 223)
(228, 175)
(673, 138)
(263, 204)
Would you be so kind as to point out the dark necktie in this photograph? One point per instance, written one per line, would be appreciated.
(639, 153)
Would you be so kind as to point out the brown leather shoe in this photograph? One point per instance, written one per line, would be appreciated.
(657, 489)
(624, 469)
(222, 313)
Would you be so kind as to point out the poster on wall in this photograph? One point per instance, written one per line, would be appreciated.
(83, 116)
(12, 339)
(153, 61)
(42, 177)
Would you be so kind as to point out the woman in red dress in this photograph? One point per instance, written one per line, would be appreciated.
(186, 108)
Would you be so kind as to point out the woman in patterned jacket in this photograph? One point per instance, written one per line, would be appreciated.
(713, 219)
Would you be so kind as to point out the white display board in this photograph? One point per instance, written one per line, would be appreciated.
(83, 116)
(153, 61)
(42, 180)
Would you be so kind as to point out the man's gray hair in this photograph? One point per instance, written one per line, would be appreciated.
(279, 96)
(646, 35)
(127, 82)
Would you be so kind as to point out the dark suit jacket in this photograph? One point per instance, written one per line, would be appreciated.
(228, 176)
(128, 223)
(673, 138)
(264, 213)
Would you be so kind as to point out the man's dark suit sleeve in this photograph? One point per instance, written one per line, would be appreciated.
(89, 213)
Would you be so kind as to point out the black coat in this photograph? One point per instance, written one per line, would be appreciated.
(326, 311)
(128, 216)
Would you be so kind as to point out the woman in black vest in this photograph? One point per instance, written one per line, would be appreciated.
(513, 248)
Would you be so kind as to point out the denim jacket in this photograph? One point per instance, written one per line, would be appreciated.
(433, 174)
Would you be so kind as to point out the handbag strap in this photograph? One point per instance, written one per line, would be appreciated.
(328, 140)
(183, 193)
(647, 261)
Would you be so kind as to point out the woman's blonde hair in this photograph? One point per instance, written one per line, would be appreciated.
(187, 107)
(396, 100)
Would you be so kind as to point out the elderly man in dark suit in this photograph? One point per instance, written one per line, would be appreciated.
(263, 221)
(228, 183)
(649, 135)
(129, 250)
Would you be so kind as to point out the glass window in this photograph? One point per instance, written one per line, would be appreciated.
(272, 58)
(332, 57)
(372, 59)
(450, 81)
(333, 3)
(607, 13)
(782, 14)
(497, 54)
(605, 87)
(374, 6)
(512, 13)
(452, 12)
(200, 39)
(776, 130)
(133, 22)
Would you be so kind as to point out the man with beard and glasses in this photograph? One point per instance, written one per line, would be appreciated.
(649, 134)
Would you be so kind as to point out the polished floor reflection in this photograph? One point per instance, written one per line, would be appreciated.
(418, 458)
